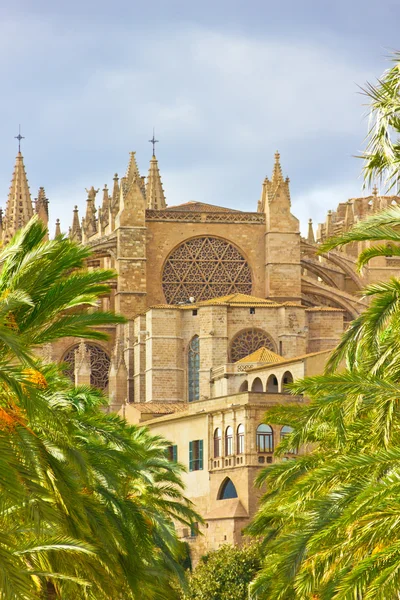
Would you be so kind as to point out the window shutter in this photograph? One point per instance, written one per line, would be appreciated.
(200, 455)
(175, 453)
(190, 456)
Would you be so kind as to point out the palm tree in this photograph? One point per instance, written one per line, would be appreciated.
(330, 519)
(88, 503)
(382, 154)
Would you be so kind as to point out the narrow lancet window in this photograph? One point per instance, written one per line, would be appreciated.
(194, 369)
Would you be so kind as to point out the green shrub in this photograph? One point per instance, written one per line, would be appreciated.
(225, 574)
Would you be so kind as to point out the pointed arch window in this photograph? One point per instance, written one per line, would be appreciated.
(194, 369)
(227, 490)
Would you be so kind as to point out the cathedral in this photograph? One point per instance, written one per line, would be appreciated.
(224, 308)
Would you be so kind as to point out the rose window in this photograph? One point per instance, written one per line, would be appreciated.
(248, 341)
(205, 268)
(99, 365)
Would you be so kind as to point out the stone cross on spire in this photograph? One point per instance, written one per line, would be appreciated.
(154, 142)
(19, 137)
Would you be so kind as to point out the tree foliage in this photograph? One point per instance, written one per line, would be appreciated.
(382, 154)
(87, 502)
(330, 519)
(225, 573)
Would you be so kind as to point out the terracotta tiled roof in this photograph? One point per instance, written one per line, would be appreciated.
(292, 360)
(200, 207)
(262, 355)
(160, 408)
(239, 300)
(324, 309)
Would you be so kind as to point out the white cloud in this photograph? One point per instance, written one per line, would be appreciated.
(221, 104)
(315, 201)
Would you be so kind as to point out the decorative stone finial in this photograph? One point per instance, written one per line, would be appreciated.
(58, 228)
(310, 235)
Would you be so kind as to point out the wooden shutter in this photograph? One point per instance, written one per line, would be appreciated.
(200, 442)
(190, 456)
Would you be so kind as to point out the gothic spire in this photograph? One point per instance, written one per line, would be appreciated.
(19, 209)
(276, 189)
(132, 171)
(114, 203)
(277, 176)
(76, 230)
(310, 236)
(104, 216)
(90, 222)
(58, 228)
(154, 190)
(133, 174)
(41, 203)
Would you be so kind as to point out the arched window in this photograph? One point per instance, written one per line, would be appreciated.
(286, 379)
(99, 365)
(244, 386)
(272, 385)
(285, 432)
(227, 490)
(217, 442)
(194, 369)
(265, 438)
(257, 385)
(240, 439)
(228, 441)
(248, 341)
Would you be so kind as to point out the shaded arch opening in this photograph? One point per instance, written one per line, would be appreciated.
(287, 378)
(244, 386)
(272, 384)
(227, 491)
(257, 385)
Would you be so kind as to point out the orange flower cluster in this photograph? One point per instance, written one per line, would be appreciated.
(36, 377)
(10, 418)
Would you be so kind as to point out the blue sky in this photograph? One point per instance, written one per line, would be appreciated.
(224, 82)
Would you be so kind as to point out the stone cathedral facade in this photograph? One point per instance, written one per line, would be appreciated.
(223, 307)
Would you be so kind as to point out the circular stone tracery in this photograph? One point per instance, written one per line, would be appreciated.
(99, 365)
(205, 268)
(249, 341)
